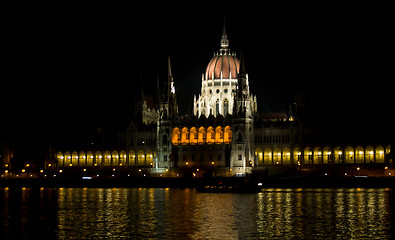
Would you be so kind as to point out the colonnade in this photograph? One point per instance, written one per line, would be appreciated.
(105, 158)
(201, 135)
(321, 155)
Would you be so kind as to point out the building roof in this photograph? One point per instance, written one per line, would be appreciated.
(223, 65)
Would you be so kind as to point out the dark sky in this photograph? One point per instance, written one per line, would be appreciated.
(66, 64)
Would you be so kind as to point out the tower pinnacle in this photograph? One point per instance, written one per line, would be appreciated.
(224, 39)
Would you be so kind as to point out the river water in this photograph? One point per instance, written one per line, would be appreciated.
(162, 213)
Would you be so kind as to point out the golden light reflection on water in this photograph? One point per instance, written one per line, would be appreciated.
(186, 214)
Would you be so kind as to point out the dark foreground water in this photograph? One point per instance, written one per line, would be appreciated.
(105, 213)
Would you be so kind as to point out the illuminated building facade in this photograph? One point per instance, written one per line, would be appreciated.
(225, 135)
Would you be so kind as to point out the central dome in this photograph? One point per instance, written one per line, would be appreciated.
(223, 65)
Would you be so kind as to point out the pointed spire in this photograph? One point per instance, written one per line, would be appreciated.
(242, 68)
(224, 39)
(169, 75)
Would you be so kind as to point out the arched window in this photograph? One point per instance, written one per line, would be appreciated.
(115, 158)
(308, 155)
(359, 155)
(164, 139)
(176, 136)
(317, 155)
(217, 108)
(75, 159)
(67, 159)
(349, 155)
(228, 135)
(286, 156)
(379, 154)
(89, 158)
(107, 158)
(277, 156)
(267, 157)
(150, 158)
(193, 136)
(82, 159)
(259, 156)
(141, 158)
(60, 158)
(132, 158)
(184, 136)
(210, 135)
(297, 155)
(338, 155)
(327, 155)
(239, 137)
(369, 154)
(201, 135)
(98, 158)
(226, 107)
(219, 135)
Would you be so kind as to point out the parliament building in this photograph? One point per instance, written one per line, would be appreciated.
(225, 135)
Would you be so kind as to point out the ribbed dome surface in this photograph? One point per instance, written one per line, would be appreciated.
(224, 63)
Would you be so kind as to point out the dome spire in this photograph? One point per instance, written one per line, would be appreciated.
(224, 39)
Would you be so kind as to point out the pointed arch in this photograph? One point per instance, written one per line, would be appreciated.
(98, 158)
(379, 154)
(89, 158)
(349, 155)
(141, 158)
(327, 155)
(228, 135)
(82, 159)
(219, 135)
(107, 158)
(259, 156)
(193, 136)
(176, 136)
(201, 135)
(210, 135)
(359, 154)
(60, 159)
(286, 156)
(184, 136)
(74, 157)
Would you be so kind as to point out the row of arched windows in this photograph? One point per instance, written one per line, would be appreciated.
(318, 155)
(106, 158)
(193, 135)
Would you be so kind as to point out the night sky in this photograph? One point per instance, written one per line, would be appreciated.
(66, 65)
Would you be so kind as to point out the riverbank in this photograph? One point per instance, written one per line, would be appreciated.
(183, 182)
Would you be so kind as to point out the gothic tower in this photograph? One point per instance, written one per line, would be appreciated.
(168, 114)
(242, 157)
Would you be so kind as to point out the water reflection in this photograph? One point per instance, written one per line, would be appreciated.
(88, 213)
